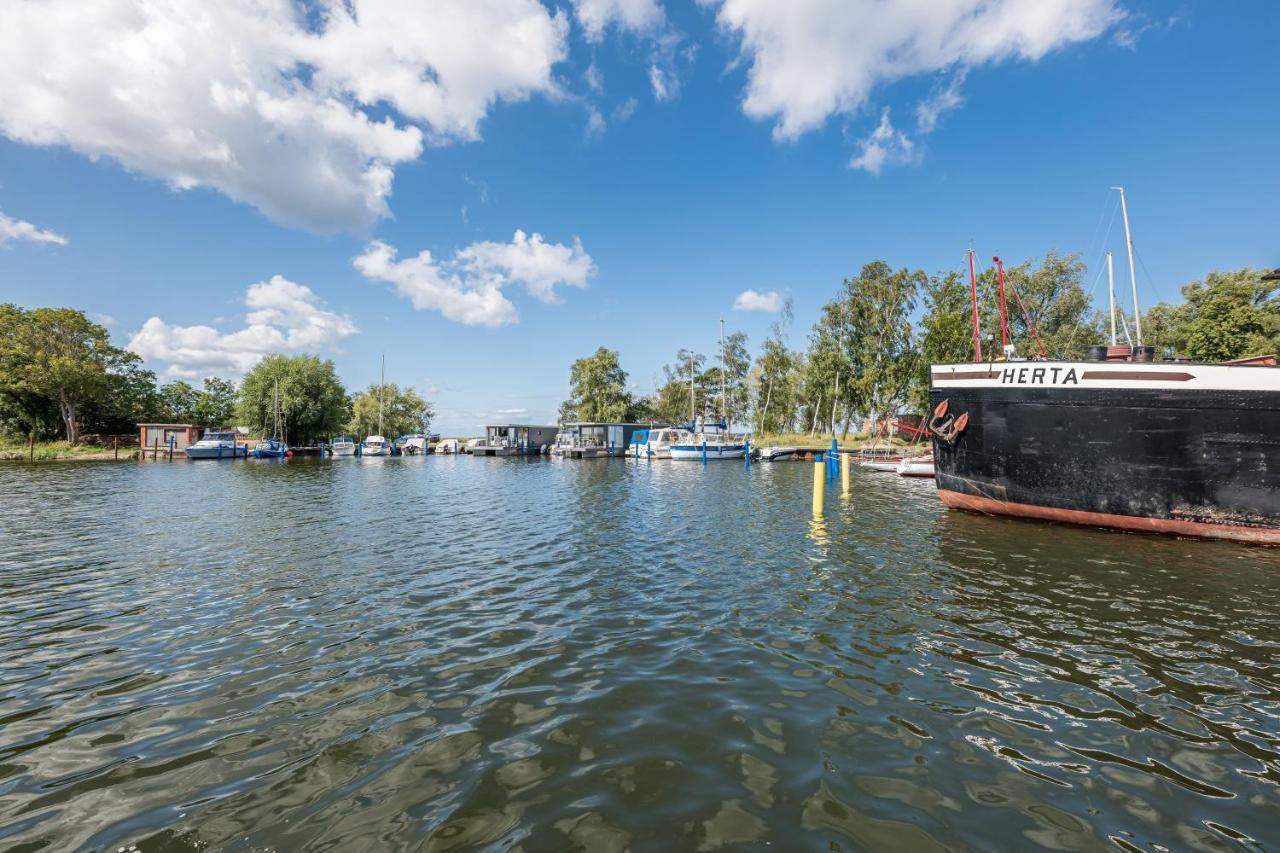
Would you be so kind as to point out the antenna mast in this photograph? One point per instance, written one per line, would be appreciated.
(693, 417)
(724, 409)
(1133, 276)
(382, 380)
(1004, 318)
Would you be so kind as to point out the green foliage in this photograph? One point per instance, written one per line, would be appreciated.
(673, 399)
(312, 399)
(216, 403)
(55, 358)
(737, 370)
(946, 330)
(403, 412)
(597, 389)
(179, 400)
(1227, 316)
(128, 399)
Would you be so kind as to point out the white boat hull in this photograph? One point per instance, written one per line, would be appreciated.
(915, 468)
(889, 465)
(691, 453)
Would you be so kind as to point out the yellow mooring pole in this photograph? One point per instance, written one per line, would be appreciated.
(819, 484)
(844, 472)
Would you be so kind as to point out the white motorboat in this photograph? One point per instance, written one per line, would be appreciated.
(343, 445)
(916, 466)
(375, 445)
(450, 447)
(659, 443)
(777, 454)
(216, 445)
(414, 444)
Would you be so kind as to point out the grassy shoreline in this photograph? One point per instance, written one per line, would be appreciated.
(61, 451)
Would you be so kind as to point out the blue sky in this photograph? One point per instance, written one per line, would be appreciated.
(671, 156)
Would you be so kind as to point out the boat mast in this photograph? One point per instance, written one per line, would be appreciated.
(382, 379)
(1004, 319)
(693, 418)
(1133, 276)
(973, 295)
(1111, 294)
(724, 409)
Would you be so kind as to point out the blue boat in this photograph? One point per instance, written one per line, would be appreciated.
(271, 448)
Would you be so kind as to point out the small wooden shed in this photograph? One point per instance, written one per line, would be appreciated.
(183, 435)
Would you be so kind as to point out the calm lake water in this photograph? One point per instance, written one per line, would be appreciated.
(457, 653)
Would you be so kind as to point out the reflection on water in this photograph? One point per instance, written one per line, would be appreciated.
(452, 653)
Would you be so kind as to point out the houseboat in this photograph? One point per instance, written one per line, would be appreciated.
(514, 440)
(593, 440)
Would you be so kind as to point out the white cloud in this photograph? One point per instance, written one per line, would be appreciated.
(884, 146)
(636, 15)
(304, 119)
(942, 100)
(469, 287)
(594, 78)
(283, 317)
(596, 125)
(13, 230)
(751, 300)
(625, 110)
(811, 59)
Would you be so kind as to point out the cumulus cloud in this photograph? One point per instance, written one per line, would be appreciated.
(637, 15)
(811, 59)
(884, 146)
(283, 317)
(15, 230)
(302, 112)
(468, 288)
(752, 300)
(942, 100)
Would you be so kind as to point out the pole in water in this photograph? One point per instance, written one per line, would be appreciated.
(746, 454)
(819, 485)
(704, 451)
(844, 473)
(835, 458)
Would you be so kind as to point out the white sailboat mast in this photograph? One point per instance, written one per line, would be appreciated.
(1133, 276)
(724, 409)
(382, 381)
(1111, 297)
(693, 417)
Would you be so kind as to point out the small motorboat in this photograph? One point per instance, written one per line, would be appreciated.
(776, 454)
(916, 466)
(343, 445)
(271, 448)
(658, 443)
(375, 445)
(450, 446)
(215, 445)
(414, 444)
(711, 442)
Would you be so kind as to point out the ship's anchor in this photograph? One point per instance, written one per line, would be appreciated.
(947, 428)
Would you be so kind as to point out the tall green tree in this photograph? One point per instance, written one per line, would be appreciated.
(179, 400)
(403, 412)
(775, 380)
(736, 361)
(674, 397)
(60, 356)
(1226, 316)
(312, 399)
(216, 403)
(129, 398)
(598, 388)
(946, 330)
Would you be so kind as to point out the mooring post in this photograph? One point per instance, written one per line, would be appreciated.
(704, 451)
(746, 454)
(648, 451)
(845, 465)
(819, 484)
(611, 450)
(31, 449)
(115, 447)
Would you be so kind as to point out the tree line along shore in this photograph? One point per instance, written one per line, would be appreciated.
(62, 381)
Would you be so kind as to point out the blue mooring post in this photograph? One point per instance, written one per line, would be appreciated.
(648, 451)
(704, 451)
(834, 457)
(636, 454)
(611, 450)
(746, 454)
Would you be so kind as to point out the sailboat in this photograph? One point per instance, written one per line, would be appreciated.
(274, 447)
(377, 444)
(711, 440)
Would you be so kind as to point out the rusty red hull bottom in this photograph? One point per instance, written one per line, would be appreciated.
(1167, 526)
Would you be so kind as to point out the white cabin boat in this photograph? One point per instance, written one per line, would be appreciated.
(711, 442)
(216, 445)
(343, 445)
(660, 441)
(375, 445)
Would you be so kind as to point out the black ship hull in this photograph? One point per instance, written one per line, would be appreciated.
(1183, 449)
